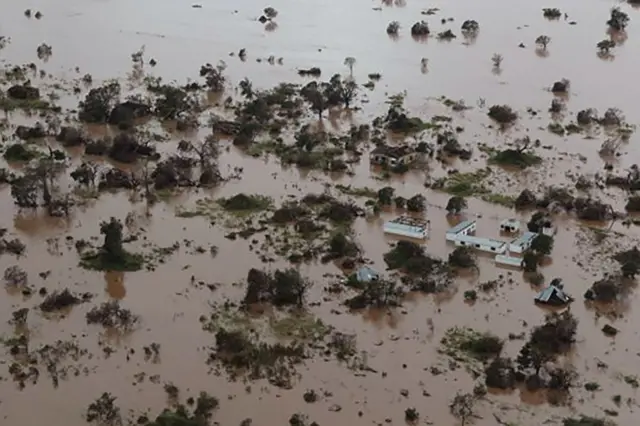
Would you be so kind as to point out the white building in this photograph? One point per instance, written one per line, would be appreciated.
(506, 260)
(484, 244)
(510, 225)
(406, 226)
(523, 242)
(466, 227)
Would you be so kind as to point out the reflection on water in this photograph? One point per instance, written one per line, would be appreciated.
(115, 285)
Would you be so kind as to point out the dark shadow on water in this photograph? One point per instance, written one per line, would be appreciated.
(115, 285)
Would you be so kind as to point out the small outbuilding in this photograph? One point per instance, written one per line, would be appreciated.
(367, 274)
(510, 226)
(554, 295)
(407, 226)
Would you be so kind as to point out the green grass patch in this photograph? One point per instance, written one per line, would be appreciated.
(243, 203)
(464, 184)
(357, 192)
(98, 261)
(18, 152)
(515, 158)
(464, 342)
(10, 104)
(500, 199)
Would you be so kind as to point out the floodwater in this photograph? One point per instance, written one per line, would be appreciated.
(98, 37)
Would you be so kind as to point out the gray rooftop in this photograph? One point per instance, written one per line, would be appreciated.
(461, 226)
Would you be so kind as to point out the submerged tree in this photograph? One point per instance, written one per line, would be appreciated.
(470, 28)
(462, 407)
(393, 27)
(214, 77)
(341, 92)
(385, 196)
(543, 41)
(96, 106)
(316, 96)
(618, 20)
(350, 61)
(112, 255)
(605, 46)
(37, 187)
(456, 205)
(496, 59)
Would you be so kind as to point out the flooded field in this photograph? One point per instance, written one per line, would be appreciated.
(183, 231)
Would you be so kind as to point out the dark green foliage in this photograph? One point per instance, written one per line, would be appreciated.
(377, 294)
(618, 20)
(341, 246)
(417, 203)
(98, 103)
(385, 196)
(503, 114)
(462, 257)
(259, 360)
(542, 244)
(112, 256)
(410, 258)
(556, 335)
(456, 205)
(585, 421)
(104, 412)
(500, 374)
(282, 288)
(19, 152)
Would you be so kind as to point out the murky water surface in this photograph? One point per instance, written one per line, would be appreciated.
(98, 36)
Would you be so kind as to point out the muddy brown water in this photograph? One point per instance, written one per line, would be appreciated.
(99, 36)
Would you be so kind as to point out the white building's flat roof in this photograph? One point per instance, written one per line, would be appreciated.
(524, 239)
(487, 242)
(461, 226)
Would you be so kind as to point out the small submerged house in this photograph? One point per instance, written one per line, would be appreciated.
(510, 226)
(393, 155)
(367, 274)
(554, 294)
(466, 227)
(407, 226)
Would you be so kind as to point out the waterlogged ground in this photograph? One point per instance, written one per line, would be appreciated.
(399, 346)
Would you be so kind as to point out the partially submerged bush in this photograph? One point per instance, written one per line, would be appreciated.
(456, 205)
(556, 335)
(470, 27)
(18, 152)
(618, 20)
(60, 300)
(241, 355)
(112, 256)
(245, 203)
(522, 156)
(376, 294)
(97, 105)
(420, 29)
(500, 374)
(551, 13)
(393, 28)
(112, 315)
(411, 259)
(282, 288)
(462, 257)
(478, 345)
(503, 114)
